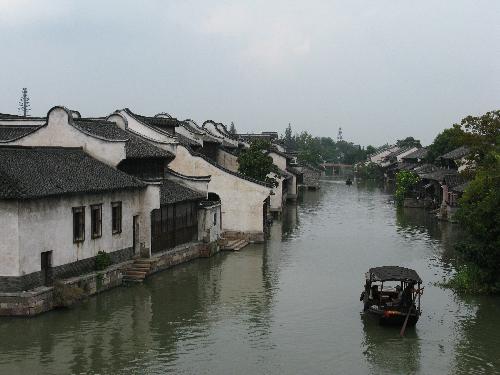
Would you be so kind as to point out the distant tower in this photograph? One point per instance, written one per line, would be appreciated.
(24, 103)
(339, 135)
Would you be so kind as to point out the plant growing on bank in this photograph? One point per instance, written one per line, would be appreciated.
(405, 182)
(102, 260)
(254, 162)
(66, 295)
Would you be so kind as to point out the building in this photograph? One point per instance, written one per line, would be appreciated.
(58, 208)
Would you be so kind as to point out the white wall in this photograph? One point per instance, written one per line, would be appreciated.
(58, 132)
(241, 200)
(278, 160)
(227, 160)
(276, 200)
(47, 225)
(208, 230)
(9, 239)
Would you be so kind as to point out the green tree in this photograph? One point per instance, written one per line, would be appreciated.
(254, 162)
(405, 183)
(446, 141)
(232, 128)
(479, 215)
(482, 135)
(370, 150)
(408, 142)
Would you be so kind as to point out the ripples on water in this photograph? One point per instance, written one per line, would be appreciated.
(290, 306)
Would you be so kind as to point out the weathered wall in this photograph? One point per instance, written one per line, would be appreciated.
(47, 225)
(58, 132)
(227, 160)
(292, 188)
(278, 160)
(9, 238)
(241, 200)
(276, 200)
(209, 223)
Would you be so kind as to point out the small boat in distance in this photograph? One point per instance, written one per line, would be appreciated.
(398, 301)
(348, 181)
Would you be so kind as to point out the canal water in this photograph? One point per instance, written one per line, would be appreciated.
(290, 306)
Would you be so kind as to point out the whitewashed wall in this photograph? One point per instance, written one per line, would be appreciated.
(227, 160)
(47, 225)
(241, 200)
(209, 229)
(278, 160)
(9, 239)
(58, 132)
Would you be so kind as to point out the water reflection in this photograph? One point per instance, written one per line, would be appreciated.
(386, 352)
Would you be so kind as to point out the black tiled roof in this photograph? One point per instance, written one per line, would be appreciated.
(191, 126)
(172, 192)
(9, 133)
(36, 172)
(135, 148)
(186, 140)
(418, 154)
(438, 174)
(453, 180)
(456, 153)
(7, 116)
(161, 122)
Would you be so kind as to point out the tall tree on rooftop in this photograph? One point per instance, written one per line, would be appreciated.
(24, 102)
(446, 141)
(408, 142)
(232, 128)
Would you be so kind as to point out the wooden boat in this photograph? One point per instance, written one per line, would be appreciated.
(348, 181)
(398, 298)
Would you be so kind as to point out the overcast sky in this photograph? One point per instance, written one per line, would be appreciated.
(381, 69)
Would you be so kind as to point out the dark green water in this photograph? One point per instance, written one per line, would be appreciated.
(290, 306)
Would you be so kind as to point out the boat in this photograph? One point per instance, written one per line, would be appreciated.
(348, 181)
(392, 295)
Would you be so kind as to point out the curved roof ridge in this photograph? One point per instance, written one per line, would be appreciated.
(30, 129)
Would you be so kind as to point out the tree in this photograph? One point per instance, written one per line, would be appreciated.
(478, 214)
(24, 102)
(482, 135)
(288, 139)
(405, 182)
(232, 128)
(446, 141)
(370, 150)
(408, 142)
(254, 162)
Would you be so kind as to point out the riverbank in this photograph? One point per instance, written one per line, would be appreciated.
(46, 298)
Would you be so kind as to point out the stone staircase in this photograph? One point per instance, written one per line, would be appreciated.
(234, 245)
(138, 271)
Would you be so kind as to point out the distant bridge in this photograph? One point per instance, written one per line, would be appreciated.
(337, 169)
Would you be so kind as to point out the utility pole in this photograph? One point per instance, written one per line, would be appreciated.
(24, 103)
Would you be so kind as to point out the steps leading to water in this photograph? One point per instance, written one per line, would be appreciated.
(234, 245)
(138, 271)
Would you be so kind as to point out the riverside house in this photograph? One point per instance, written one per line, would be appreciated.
(244, 201)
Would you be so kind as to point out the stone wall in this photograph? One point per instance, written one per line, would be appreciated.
(34, 279)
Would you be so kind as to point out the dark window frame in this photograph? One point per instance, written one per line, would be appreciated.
(95, 207)
(116, 220)
(78, 211)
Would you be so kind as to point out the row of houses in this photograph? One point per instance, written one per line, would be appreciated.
(128, 185)
(441, 183)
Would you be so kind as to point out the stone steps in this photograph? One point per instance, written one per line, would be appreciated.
(234, 245)
(137, 271)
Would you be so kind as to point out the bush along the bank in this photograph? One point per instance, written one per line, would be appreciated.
(405, 183)
(479, 215)
(102, 260)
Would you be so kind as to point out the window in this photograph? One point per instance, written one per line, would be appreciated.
(215, 219)
(78, 224)
(96, 220)
(116, 217)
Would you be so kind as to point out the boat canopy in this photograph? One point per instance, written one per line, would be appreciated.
(393, 273)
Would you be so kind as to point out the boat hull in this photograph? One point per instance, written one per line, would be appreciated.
(393, 318)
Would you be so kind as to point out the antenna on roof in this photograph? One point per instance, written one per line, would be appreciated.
(339, 135)
(24, 103)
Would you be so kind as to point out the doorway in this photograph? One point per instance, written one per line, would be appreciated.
(135, 234)
(46, 267)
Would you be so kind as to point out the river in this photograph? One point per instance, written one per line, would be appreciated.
(290, 306)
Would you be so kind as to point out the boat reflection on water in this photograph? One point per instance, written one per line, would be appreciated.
(388, 353)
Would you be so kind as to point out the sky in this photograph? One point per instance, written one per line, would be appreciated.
(382, 70)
